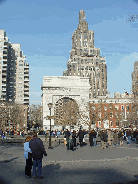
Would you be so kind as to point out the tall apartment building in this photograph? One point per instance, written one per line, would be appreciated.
(14, 72)
(85, 59)
(135, 79)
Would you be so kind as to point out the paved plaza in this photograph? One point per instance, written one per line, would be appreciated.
(116, 164)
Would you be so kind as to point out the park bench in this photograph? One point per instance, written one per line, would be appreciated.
(56, 140)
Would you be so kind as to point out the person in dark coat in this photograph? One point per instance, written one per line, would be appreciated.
(129, 137)
(134, 135)
(104, 138)
(94, 137)
(81, 136)
(74, 137)
(38, 150)
(127, 134)
(67, 134)
(115, 137)
(101, 136)
(91, 138)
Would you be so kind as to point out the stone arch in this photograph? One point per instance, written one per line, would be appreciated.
(55, 88)
(66, 111)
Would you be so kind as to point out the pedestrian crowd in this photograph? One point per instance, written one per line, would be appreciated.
(107, 137)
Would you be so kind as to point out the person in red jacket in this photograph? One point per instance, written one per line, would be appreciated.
(38, 150)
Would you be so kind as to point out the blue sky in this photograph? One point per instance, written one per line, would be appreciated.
(44, 29)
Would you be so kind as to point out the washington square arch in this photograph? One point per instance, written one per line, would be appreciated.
(63, 90)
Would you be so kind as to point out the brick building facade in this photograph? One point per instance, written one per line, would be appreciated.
(111, 113)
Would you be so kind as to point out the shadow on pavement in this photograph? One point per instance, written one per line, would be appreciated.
(53, 173)
(9, 160)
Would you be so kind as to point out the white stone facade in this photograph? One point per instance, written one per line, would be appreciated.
(57, 87)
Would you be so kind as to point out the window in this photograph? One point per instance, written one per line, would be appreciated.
(117, 107)
(20, 64)
(93, 108)
(105, 115)
(111, 108)
(99, 123)
(122, 107)
(127, 107)
(111, 123)
(82, 68)
(117, 123)
(116, 115)
(111, 114)
(99, 115)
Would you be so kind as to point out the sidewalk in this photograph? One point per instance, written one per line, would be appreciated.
(84, 165)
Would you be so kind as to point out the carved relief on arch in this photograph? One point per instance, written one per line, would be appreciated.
(48, 99)
(66, 90)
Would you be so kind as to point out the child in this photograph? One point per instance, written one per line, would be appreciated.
(28, 157)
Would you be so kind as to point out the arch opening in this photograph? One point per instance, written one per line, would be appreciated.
(66, 112)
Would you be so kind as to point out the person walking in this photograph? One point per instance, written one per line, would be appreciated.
(104, 142)
(38, 151)
(127, 134)
(134, 135)
(115, 137)
(94, 137)
(23, 133)
(121, 138)
(101, 137)
(81, 136)
(129, 137)
(84, 132)
(109, 137)
(58, 133)
(137, 136)
(124, 132)
(67, 135)
(74, 138)
(91, 138)
(28, 156)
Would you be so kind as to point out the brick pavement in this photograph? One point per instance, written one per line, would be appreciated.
(84, 165)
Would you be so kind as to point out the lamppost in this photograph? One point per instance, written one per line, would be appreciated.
(50, 106)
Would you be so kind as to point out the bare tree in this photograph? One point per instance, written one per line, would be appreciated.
(133, 17)
(16, 115)
(2, 1)
(36, 115)
(11, 113)
(66, 112)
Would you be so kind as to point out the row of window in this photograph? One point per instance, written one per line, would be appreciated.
(111, 108)
(111, 123)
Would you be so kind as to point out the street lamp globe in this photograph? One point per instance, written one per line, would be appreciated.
(50, 105)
